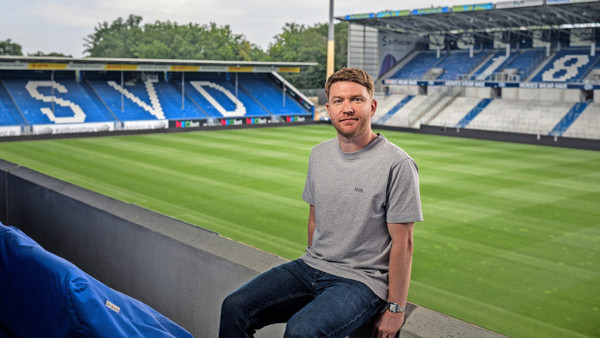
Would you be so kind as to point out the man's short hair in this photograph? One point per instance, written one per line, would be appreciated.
(353, 75)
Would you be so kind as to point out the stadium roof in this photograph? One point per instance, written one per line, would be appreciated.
(131, 64)
(517, 16)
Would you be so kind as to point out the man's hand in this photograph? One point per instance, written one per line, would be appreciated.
(388, 324)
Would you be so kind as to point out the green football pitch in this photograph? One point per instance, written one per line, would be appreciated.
(510, 241)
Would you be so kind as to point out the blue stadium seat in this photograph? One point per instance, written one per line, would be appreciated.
(211, 99)
(418, 66)
(525, 61)
(491, 66)
(43, 295)
(98, 99)
(9, 114)
(66, 102)
(460, 63)
(567, 65)
(169, 95)
(272, 98)
(136, 100)
(455, 64)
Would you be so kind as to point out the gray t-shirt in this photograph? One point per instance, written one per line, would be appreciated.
(355, 195)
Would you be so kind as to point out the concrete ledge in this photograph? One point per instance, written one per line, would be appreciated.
(181, 270)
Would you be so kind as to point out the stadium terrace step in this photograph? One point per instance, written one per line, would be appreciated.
(394, 109)
(473, 113)
(568, 119)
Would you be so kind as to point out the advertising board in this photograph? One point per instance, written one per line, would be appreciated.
(194, 123)
(72, 128)
(10, 131)
(518, 3)
(144, 125)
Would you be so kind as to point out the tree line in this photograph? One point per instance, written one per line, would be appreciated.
(130, 38)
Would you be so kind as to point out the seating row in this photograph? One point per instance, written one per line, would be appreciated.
(24, 101)
(538, 117)
(566, 65)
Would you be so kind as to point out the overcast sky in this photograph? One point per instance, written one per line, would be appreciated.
(61, 25)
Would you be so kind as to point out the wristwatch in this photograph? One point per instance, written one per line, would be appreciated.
(394, 307)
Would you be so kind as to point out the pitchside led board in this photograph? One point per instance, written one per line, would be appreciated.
(236, 121)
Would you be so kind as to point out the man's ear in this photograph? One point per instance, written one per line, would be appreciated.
(373, 107)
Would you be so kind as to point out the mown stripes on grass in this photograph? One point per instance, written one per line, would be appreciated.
(510, 241)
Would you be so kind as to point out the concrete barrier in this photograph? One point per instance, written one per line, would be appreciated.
(181, 270)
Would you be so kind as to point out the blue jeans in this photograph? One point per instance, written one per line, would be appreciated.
(312, 302)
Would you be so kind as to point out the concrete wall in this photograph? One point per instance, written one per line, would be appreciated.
(180, 270)
(480, 92)
(545, 94)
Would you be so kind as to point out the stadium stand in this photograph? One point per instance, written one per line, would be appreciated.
(41, 98)
(447, 48)
(536, 112)
(70, 302)
(534, 76)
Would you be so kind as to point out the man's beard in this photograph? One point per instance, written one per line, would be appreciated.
(358, 130)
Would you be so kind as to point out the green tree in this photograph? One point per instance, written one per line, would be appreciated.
(169, 40)
(7, 47)
(300, 43)
(40, 53)
(116, 39)
(129, 38)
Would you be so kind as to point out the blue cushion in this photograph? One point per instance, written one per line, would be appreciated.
(42, 294)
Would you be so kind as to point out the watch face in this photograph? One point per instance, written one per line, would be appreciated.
(393, 307)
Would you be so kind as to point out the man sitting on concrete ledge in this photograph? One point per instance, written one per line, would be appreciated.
(363, 193)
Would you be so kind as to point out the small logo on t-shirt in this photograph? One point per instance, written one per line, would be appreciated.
(357, 189)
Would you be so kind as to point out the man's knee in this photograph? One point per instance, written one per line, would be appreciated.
(231, 302)
(299, 329)
(233, 306)
(234, 322)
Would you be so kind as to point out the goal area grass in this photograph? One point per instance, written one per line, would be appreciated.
(510, 241)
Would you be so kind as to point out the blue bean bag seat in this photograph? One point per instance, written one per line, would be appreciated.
(43, 295)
